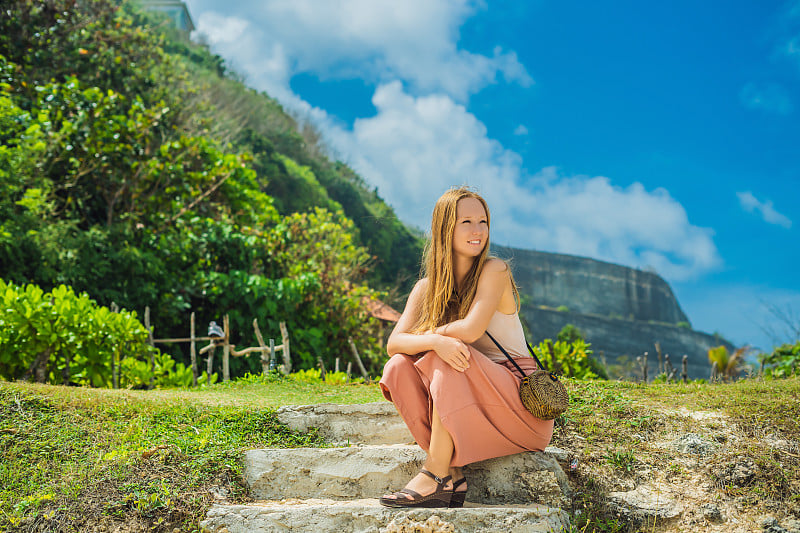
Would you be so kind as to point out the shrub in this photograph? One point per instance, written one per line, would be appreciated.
(570, 359)
(783, 362)
(63, 337)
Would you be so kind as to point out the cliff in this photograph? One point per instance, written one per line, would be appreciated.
(621, 311)
(595, 287)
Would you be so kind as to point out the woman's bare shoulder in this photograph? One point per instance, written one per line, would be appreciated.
(419, 289)
(495, 264)
(421, 285)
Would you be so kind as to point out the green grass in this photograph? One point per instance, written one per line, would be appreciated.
(72, 458)
(76, 457)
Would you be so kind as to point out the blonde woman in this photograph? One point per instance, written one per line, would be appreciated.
(456, 392)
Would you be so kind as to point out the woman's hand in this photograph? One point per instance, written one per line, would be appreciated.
(452, 351)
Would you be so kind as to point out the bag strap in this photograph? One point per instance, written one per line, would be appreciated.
(539, 363)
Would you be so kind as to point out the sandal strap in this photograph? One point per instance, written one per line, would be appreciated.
(458, 483)
(439, 480)
(414, 494)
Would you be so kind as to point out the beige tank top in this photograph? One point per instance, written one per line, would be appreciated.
(507, 329)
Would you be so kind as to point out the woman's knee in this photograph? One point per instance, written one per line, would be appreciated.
(399, 367)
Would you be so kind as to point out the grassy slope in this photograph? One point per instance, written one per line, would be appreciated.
(73, 458)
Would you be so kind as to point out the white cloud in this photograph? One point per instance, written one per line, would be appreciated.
(414, 40)
(423, 140)
(414, 148)
(770, 97)
(768, 213)
(521, 130)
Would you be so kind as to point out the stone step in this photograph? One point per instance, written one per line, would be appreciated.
(363, 516)
(368, 423)
(369, 471)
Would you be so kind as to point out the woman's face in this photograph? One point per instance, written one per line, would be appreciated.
(472, 228)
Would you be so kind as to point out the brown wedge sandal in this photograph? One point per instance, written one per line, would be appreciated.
(458, 497)
(439, 498)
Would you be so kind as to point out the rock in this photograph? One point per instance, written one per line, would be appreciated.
(770, 525)
(362, 516)
(694, 444)
(776, 441)
(644, 502)
(736, 474)
(403, 524)
(562, 456)
(368, 423)
(711, 512)
(768, 521)
(792, 526)
(369, 471)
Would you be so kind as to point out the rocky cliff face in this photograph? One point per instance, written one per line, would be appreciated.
(589, 286)
(620, 310)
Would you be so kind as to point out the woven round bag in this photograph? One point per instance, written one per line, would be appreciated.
(541, 391)
(543, 394)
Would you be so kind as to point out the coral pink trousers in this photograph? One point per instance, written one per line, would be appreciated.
(480, 407)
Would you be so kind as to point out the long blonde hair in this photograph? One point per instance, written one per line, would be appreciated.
(443, 302)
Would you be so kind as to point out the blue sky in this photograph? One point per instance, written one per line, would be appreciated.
(658, 136)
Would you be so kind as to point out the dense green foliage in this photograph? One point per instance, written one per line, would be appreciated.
(570, 355)
(66, 338)
(63, 337)
(135, 169)
(783, 362)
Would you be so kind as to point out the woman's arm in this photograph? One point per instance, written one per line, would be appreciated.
(492, 285)
(453, 351)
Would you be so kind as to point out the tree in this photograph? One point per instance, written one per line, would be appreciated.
(728, 365)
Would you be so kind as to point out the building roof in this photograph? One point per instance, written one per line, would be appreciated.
(380, 310)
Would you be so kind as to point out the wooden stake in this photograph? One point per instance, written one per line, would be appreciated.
(226, 350)
(272, 362)
(685, 369)
(321, 369)
(152, 344)
(661, 367)
(260, 339)
(349, 369)
(210, 361)
(193, 351)
(644, 367)
(287, 357)
(115, 363)
(336, 367)
(358, 359)
(668, 368)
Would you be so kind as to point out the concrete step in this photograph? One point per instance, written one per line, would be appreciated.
(362, 516)
(368, 423)
(370, 471)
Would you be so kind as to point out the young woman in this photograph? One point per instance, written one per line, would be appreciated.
(456, 392)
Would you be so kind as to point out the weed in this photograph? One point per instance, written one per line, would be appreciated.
(624, 460)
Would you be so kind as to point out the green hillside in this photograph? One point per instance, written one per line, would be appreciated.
(135, 167)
